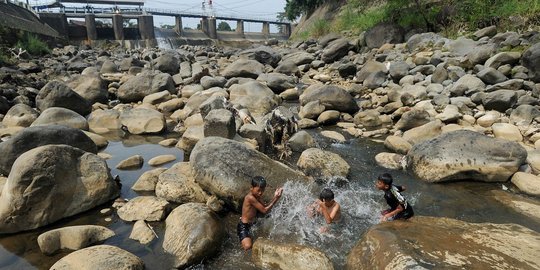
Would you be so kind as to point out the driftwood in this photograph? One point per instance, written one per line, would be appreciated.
(17, 52)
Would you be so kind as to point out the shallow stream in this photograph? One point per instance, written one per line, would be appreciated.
(289, 222)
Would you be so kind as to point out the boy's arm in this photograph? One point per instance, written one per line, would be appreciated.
(396, 211)
(265, 208)
(329, 217)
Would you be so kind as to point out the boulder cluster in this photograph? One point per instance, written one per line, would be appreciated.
(465, 109)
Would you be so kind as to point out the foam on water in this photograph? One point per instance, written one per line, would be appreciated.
(290, 223)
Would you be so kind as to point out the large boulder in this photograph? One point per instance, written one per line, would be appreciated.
(254, 96)
(383, 33)
(192, 233)
(20, 115)
(243, 68)
(167, 63)
(178, 185)
(423, 41)
(72, 237)
(465, 155)
(52, 182)
(278, 82)
(319, 163)
(444, 243)
(220, 123)
(33, 137)
(91, 87)
(225, 168)
(269, 254)
(61, 116)
(143, 121)
(147, 208)
(413, 118)
(104, 119)
(331, 97)
(500, 100)
(99, 257)
(336, 50)
(264, 55)
(145, 83)
(148, 180)
(57, 94)
(531, 60)
(298, 58)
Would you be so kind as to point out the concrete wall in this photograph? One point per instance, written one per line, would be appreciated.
(16, 17)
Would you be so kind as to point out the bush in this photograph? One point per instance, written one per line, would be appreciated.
(33, 45)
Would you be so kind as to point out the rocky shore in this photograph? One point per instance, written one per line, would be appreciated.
(446, 110)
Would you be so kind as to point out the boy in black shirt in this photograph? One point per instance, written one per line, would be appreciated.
(399, 208)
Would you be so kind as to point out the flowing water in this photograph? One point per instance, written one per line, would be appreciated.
(288, 222)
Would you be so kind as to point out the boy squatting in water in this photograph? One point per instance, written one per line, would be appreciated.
(327, 207)
(252, 204)
(399, 208)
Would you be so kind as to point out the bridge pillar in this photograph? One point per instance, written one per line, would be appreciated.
(91, 31)
(204, 25)
(287, 30)
(178, 26)
(146, 27)
(240, 27)
(212, 28)
(266, 29)
(118, 26)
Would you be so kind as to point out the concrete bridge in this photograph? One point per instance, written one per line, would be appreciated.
(145, 24)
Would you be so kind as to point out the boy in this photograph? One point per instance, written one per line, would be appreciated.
(252, 204)
(399, 208)
(326, 206)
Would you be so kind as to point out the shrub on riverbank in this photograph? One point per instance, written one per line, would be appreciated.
(33, 45)
(452, 17)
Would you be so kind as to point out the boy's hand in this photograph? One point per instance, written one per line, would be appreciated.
(278, 192)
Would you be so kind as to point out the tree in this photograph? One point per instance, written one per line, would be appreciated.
(295, 8)
(224, 26)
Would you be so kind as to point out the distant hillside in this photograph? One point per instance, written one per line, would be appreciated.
(449, 17)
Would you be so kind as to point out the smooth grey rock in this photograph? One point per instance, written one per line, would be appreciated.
(465, 155)
(220, 123)
(331, 97)
(192, 239)
(47, 174)
(99, 257)
(57, 94)
(72, 238)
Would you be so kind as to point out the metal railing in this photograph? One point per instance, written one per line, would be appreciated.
(164, 12)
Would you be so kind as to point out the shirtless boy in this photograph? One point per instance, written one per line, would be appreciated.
(327, 207)
(252, 204)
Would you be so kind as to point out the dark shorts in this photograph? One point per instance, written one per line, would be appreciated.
(243, 230)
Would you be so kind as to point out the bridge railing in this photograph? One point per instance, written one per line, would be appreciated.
(209, 13)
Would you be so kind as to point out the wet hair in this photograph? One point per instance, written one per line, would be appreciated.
(326, 195)
(386, 178)
(258, 181)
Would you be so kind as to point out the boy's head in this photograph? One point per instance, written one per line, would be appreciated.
(384, 181)
(327, 196)
(258, 184)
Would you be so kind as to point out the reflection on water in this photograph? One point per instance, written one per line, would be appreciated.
(288, 222)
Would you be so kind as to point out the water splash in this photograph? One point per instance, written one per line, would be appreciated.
(290, 222)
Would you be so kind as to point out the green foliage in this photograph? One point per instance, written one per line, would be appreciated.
(320, 28)
(167, 26)
(4, 59)
(481, 13)
(296, 8)
(224, 26)
(32, 45)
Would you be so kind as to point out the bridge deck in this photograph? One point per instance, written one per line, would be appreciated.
(133, 13)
